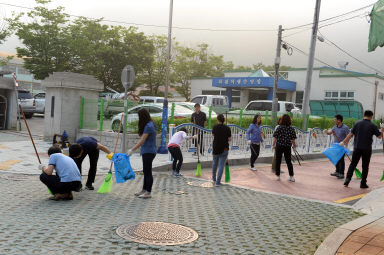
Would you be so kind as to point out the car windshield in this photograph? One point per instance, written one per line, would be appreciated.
(24, 95)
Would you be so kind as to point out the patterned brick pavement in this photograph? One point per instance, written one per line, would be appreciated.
(229, 220)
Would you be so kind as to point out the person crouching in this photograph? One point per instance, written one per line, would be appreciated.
(67, 178)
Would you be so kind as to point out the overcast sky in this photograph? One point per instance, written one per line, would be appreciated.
(243, 48)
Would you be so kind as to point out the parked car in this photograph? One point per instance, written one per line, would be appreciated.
(156, 110)
(40, 103)
(191, 106)
(151, 99)
(27, 102)
(219, 104)
(260, 106)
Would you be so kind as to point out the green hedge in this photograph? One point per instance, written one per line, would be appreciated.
(323, 123)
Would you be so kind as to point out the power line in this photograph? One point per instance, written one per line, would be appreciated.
(358, 60)
(157, 26)
(327, 19)
(325, 63)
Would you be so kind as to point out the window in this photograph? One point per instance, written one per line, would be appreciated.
(339, 95)
(197, 100)
(149, 100)
(24, 94)
(217, 101)
(135, 110)
(40, 95)
(255, 106)
(381, 96)
(267, 106)
(289, 107)
(21, 70)
(154, 109)
(212, 92)
(160, 100)
(299, 98)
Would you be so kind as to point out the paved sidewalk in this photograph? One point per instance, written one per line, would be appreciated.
(229, 220)
(312, 179)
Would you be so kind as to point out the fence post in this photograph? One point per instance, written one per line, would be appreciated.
(101, 114)
(210, 117)
(126, 114)
(266, 118)
(82, 113)
(307, 120)
(241, 118)
(172, 113)
(308, 143)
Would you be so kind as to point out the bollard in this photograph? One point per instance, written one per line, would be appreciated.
(172, 113)
(210, 117)
(266, 118)
(241, 118)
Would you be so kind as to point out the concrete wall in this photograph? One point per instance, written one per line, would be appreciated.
(109, 138)
(67, 90)
(8, 88)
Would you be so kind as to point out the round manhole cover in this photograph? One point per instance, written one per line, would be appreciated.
(201, 184)
(157, 233)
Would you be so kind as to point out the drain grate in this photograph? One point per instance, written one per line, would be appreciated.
(157, 233)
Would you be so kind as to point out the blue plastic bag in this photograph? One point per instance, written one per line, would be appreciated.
(335, 152)
(123, 168)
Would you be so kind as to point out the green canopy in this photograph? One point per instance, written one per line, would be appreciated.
(376, 31)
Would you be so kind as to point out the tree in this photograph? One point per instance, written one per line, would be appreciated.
(191, 62)
(154, 73)
(45, 40)
(103, 50)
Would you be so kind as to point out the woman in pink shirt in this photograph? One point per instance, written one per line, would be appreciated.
(174, 148)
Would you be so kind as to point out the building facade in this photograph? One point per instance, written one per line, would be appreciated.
(328, 85)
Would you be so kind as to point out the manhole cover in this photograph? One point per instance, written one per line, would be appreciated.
(201, 184)
(17, 177)
(157, 233)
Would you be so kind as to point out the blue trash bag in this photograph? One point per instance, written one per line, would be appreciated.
(123, 168)
(335, 152)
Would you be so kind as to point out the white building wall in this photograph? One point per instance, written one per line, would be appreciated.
(364, 92)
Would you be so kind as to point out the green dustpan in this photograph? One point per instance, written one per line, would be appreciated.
(198, 169)
(382, 177)
(358, 173)
(50, 192)
(227, 173)
(106, 187)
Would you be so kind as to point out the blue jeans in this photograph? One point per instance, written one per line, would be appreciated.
(218, 160)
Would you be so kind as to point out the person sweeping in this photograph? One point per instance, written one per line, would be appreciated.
(174, 148)
(340, 132)
(363, 131)
(147, 142)
(283, 140)
(88, 146)
(254, 138)
(221, 138)
(67, 178)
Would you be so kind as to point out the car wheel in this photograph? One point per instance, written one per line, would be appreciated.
(116, 125)
(28, 115)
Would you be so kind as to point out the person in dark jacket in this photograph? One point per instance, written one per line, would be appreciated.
(88, 146)
(254, 137)
(221, 138)
(363, 131)
(283, 140)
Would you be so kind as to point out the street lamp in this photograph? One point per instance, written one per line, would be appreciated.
(163, 148)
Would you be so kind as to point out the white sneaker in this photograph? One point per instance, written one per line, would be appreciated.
(291, 179)
(145, 195)
(278, 178)
(253, 169)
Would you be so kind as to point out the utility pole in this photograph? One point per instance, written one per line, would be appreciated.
(276, 82)
(311, 58)
(163, 149)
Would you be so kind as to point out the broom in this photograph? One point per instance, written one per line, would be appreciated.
(33, 143)
(198, 168)
(106, 187)
(226, 172)
(357, 171)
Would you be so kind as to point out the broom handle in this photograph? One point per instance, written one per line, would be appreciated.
(198, 135)
(117, 140)
(30, 135)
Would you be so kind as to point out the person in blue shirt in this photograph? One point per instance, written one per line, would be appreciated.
(88, 146)
(67, 178)
(147, 142)
(340, 132)
(254, 138)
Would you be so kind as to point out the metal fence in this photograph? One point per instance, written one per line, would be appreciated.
(312, 141)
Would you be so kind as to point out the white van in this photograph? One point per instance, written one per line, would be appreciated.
(208, 100)
(151, 99)
(266, 105)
